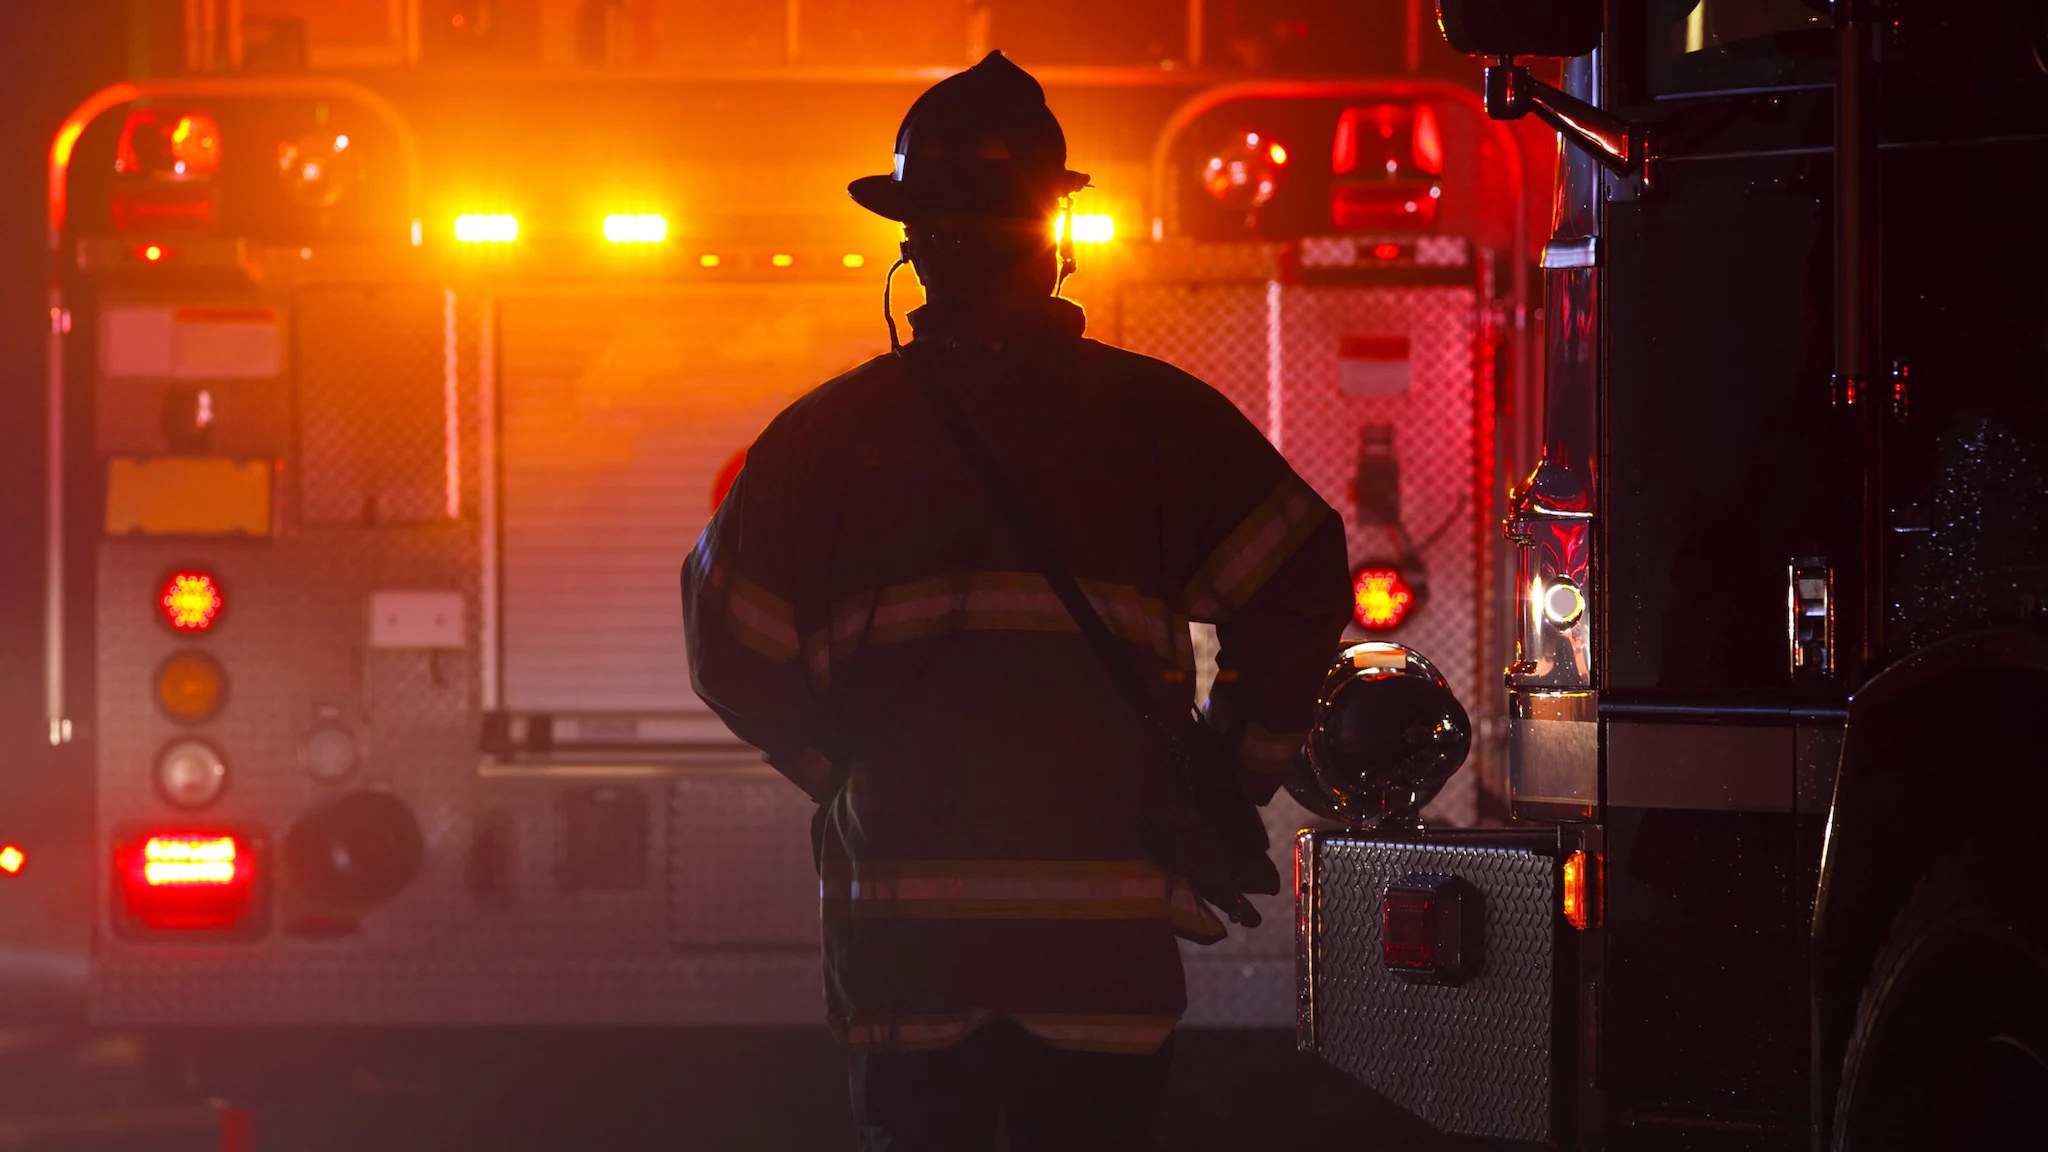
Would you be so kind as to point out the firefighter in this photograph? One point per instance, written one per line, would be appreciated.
(996, 938)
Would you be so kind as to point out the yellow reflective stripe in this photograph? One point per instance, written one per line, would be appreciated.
(996, 890)
(1244, 561)
(990, 601)
(1191, 918)
(762, 620)
(1267, 752)
(1097, 1032)
(906, 1033)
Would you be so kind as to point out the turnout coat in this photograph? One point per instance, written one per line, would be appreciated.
(859, 611)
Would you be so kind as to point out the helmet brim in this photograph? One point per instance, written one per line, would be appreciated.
(882, 195)
(891, 198)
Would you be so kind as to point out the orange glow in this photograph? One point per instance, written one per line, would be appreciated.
(852, 260)
(1581, 891)
(727, 473)
(191, 686)
(12, 860)
(153, 253)
(171, 860)
(190, 601)
(708, 260)
(782, 260)
(1380, 598)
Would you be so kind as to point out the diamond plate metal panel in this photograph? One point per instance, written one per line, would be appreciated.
(1227, 332)
(294, 640)
(1434, 439)
(740, 871)
(376, 419)
(1216, 332)
(1472, 1059)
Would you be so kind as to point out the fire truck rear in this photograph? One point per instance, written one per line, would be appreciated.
(1772, 880)
(385, 409)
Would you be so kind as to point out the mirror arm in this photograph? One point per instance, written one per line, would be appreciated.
(1511, 93)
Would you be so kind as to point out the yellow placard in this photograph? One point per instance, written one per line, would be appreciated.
(188, 496)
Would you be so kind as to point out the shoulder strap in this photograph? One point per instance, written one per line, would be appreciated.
(1128, 681)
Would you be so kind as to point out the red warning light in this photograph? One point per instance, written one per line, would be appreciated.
(186, 879)
(1429, 141)
(727, 474)
(152, 252)
(1386, 251)
(12, 859)
(1380, 598)
(191, 601)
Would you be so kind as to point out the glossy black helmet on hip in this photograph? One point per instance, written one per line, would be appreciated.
(978, 143)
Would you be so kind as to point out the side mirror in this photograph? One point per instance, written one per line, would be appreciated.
(1520, 27)
(1502, 30)
(1389, 732)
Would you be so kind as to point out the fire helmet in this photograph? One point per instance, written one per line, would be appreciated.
(978, 143)
(1388, 733)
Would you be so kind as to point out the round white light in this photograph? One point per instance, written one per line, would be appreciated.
(1563, 603)
(191, 774)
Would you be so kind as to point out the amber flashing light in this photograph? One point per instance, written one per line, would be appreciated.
(1582, 890)
(782, 260)
(636, 228)
(852, 260)
(1380, 598)
(191, 686)
(708, 260)
(486, 228)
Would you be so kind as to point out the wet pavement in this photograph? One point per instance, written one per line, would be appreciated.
(507, 1089)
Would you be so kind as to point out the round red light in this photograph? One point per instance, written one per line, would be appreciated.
(191, 600)
(727, 473)
(1380, 598)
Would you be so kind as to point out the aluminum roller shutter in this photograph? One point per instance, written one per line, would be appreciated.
(617, 411)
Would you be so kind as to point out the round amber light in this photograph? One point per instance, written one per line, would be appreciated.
(191, 686)
(191, 600)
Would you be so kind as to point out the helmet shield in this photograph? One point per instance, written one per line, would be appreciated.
(978, 143)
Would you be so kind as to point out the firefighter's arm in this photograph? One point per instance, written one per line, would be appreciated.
(1276, 585)
(740, 625)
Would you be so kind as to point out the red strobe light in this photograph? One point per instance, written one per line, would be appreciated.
(186, 879)
(191, 600)
(1380, 598)
(13, 859)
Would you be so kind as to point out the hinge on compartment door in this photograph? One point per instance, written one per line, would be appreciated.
(1810, 616)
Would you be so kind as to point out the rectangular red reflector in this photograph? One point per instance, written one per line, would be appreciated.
(186, 879)
(1377, 206)
(1426, 934)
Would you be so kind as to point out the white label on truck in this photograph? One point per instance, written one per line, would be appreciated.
(196, 342)
(417, 620)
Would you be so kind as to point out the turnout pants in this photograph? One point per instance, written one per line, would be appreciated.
(950, 1100)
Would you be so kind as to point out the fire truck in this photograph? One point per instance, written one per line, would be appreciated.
(1771, 880)
(389, 387)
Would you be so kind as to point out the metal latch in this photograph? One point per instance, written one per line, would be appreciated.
(1810, 616)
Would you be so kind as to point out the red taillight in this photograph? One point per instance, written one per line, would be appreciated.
(1425, 932)
(191, 600)
(1383, 207)
(1380, 598)
(1429, 142)
(186, 879)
